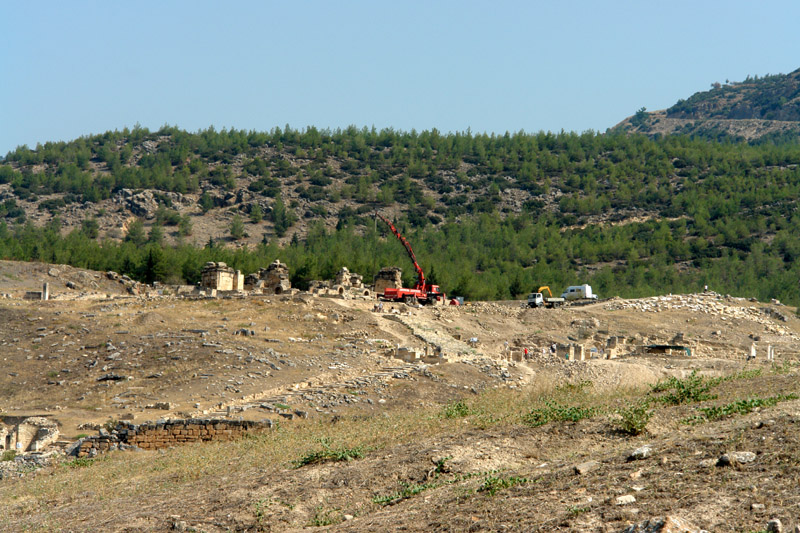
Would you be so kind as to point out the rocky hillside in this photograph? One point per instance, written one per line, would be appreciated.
(755, 109)
(494, 214)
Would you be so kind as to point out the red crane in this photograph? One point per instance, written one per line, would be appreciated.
(423, 291)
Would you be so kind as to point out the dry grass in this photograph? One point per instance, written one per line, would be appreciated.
(151, 476)
(154, 482)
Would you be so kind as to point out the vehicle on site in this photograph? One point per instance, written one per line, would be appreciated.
(579, 292)
(423, 291)
(538, 299)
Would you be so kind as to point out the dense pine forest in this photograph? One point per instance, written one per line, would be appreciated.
(489, 216)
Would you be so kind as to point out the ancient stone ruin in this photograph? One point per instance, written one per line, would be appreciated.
(388, 277)
(431, 355)
(164, 434)
(346, 284)
(44, 294)
(219, 276)
(271, 280)
(28, 434)
(131, 286)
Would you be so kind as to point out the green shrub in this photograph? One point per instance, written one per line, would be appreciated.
(634, 418)
(693, 388)
(8, 455)
(325, 517)
(494, 484)
(742, 407)
(406, 491)
(553, 411)
(457, 409)
(80, 462)
(328, 454)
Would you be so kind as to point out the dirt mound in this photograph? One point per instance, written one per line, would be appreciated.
(64, 281)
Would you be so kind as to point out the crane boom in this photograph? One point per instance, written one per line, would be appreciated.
(420, 274)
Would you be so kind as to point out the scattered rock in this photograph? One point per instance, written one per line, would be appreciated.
(626, 499)
(669, 524)
(111, 377)
(585, 468)
(164, 406)
(741, 458)
(775, 526)
(640, 453)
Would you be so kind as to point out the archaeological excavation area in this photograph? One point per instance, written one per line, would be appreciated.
(114, 368)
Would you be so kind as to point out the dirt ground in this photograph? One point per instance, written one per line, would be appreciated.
(104, 355)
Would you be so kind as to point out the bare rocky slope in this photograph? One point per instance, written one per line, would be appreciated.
(481, 442)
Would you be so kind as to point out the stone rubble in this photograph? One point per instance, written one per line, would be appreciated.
(726, 308)
(669, 524)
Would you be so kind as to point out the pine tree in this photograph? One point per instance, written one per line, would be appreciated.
(156, 235)
(256, 214)
(135, 233)
(206, 202)
(185, 226)
(237, 228)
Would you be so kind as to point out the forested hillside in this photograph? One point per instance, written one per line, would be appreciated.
(757, 110)
(489, 216)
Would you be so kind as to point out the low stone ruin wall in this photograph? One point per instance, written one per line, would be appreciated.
(165, 434)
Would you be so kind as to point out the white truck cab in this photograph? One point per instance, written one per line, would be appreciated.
(579, 292)
(535, 299)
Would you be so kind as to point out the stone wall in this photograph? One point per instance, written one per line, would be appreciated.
(165, 434)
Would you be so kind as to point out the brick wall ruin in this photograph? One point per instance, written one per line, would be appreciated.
(165, 434)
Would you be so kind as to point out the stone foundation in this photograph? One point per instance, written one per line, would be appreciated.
(165, 434)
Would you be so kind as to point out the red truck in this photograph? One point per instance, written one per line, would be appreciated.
(423, 292)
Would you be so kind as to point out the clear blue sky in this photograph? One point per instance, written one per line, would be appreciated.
(74, 68)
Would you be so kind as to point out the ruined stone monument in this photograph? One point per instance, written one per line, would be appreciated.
(28, 435)
(388, 277)
(271, 280)
(566, 351)
(217, 275)
(345, 284)
(407, 354)
(348, 279)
